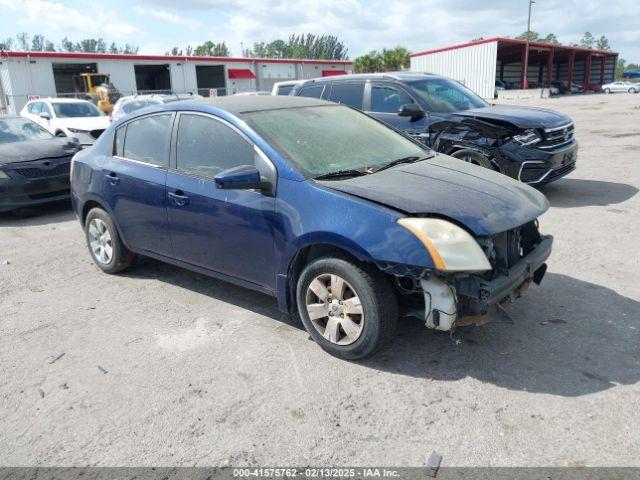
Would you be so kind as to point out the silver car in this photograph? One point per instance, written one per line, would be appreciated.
(615, 87)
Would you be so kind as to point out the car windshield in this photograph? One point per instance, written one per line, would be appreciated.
(327, 139)
(76, 109)
(21, 130)
(442, 95)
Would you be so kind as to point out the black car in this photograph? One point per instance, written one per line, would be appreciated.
(34, 164)
(534, 145)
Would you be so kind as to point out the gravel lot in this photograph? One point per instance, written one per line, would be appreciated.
(161, 366)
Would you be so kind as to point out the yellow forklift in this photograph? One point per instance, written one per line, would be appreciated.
(97, 88)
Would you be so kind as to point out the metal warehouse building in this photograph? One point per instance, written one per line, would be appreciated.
(25, 75)
(479, 64)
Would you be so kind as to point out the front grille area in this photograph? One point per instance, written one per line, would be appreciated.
(557, 137)
(37, 172)
(562, 170)
(506, 249)
(42, 196)
(532, 172)
(96, 133)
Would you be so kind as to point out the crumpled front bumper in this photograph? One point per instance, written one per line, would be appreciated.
(505, 287)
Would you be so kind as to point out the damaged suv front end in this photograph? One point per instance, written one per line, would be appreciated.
(534, 155)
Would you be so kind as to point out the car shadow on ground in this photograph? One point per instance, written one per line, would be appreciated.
(575, 192)
(569, 337)
(219, 290)
(40, 215)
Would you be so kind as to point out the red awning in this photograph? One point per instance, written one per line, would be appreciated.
(331, 73)
(240, 73)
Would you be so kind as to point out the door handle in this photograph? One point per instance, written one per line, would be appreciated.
(112, 178)
(179, 198)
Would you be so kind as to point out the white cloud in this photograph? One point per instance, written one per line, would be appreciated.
(168, 17)
(53, 18)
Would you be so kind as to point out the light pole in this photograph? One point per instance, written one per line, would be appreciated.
(525, 67)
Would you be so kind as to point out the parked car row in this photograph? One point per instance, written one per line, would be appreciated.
(343, 205)
(348, 222)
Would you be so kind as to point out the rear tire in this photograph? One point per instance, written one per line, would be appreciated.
(473, 157)
(632, 90)
(359, 313)
(107, 250)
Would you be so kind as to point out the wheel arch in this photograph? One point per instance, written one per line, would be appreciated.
(309, 252)
(94, 202)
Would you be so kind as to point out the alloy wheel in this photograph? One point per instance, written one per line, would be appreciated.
(100, 241)
(334, 309)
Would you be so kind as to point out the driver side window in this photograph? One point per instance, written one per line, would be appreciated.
(388, 99)
(206, 146)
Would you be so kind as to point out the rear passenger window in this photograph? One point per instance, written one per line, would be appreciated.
(348, 94)
(314, 91)
(388, 99)
(146, 140)
(206, 146)
(118, 145)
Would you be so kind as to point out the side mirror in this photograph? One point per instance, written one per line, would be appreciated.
(243, 177)
(411, 110)
(45, 116)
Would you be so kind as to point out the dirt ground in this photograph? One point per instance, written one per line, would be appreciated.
(161, 366)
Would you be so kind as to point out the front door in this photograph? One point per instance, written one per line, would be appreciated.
(385, 103)
(134, 182)
(227, 231)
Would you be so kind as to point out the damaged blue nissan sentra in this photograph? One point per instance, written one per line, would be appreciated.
(348, 223)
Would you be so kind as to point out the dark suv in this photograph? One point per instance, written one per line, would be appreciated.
(534, 145)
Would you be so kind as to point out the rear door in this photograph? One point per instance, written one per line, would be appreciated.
(134, 182)
(228, 231)
(347, 93)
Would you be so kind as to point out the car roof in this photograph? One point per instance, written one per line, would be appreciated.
(397, 76)
(239, 104)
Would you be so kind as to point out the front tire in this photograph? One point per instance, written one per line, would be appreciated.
(107, 250)
(473, 157)
(632, 90)
(607, 91)
(349, 309)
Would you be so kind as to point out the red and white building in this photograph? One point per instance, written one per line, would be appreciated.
(480, 63)
(25, 75)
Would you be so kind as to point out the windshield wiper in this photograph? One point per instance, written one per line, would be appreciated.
(342, 174)
(411, 159)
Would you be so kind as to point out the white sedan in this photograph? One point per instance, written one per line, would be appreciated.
(67, 117)
(615, 87)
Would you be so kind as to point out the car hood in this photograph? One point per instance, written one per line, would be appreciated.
(486, 202)
(521, 117)
(85, 123)
(36, 150)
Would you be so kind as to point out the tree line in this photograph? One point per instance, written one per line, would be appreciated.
(587, 40)
(306, 45)
(38, 43)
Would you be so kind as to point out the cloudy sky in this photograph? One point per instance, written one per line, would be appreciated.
(364, 25)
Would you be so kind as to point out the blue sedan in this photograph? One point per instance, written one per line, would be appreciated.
(348, 223)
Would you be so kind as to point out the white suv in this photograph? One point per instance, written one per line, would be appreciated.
(67, 117)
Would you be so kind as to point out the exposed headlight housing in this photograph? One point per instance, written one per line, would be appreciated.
(527, 138)
(452, 248)
(3, 176)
